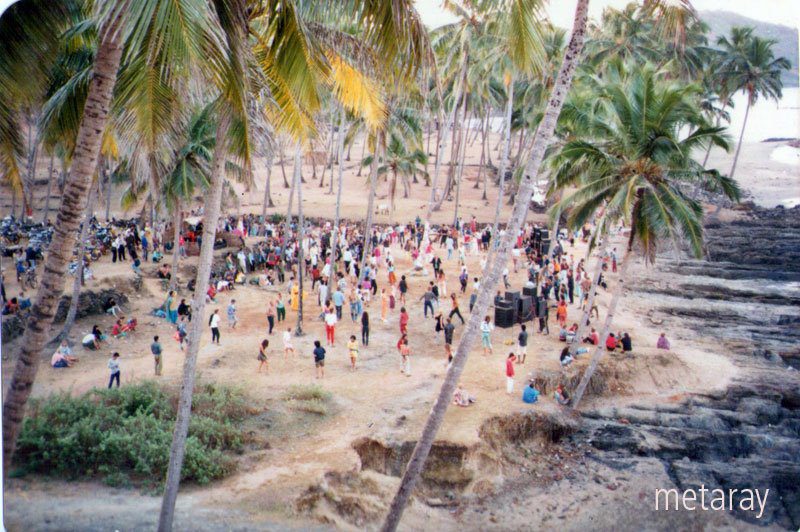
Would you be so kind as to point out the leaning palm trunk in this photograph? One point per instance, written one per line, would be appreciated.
(177, 221)
(59, 253)
(741, 136)
(72, 312)
(547, 128)
(178, 448)
(109, 188)
(295, 179)
(506, 139)
(267, 195)
(335, 233)
(716, 124)
(600, 348)
(373, 183)
(462, 154)
(49, 186)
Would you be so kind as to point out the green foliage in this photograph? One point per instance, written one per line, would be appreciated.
(309, 392)
(126, 433)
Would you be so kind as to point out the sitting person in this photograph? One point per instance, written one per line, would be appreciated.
(130, 325)
(156, 256)
(164, 272)
(24, 302)
(63, 358)
(462, 398)
(611, 342)
(91, 342)
(118, 329)
(184, 310)
(111, 307)
(565, 357)
(663, 343)
(136, 267)
(530, 394)
(240, 278)
(593, 338)
(211, 293)
(11, 307)
(627, 344)
(561, 396)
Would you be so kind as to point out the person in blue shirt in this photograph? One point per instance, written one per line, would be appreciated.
(319, 359)
(338, 302)
(530, 394)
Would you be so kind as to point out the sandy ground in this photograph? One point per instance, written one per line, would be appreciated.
(376, 401)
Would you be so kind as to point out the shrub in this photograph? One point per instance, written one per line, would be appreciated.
(126, 434)
(310, 392)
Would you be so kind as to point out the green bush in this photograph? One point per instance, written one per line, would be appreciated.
(309, 392)
(125, 434)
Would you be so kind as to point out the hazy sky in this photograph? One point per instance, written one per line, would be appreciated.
(786, 12)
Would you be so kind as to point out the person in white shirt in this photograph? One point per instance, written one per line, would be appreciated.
(287, 342)
(113, 366)
(213, 322)
(330, 325)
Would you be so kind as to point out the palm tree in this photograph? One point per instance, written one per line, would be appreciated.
(750, 65)
(401, 162)
(635, 161)
(641, 136)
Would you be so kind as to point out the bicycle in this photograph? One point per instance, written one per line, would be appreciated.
(30, 278)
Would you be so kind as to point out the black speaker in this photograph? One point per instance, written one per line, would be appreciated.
(544, 246)
(529, 291)
(545, 234)
(504, 316)
(524, 309)
(512, 298)
(537, 235)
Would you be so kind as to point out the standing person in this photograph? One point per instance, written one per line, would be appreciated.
(271, 316)
(181, 331)
(352, 347)
(455, 311)
(486, 340)
(232, 319)
(330, 325)
(354, 300)
(428, 298)
(403, 321)
(522, 345)
(510, 373)
(561, 313)
(113, 366)
(405, 354)
(262, 355)
(319, 359)
(280, 307)
(439, 327)
(473, 297)
(449, 328)
(287, 342)
(384, 305)
(365, 328)
(155, 349)
(403, 286)
(338, 302)
(170, 308)
(213, 322)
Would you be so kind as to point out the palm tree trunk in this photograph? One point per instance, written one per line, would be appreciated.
(211, 219)
(373, 183)
(741, 135)
(484, 121)
(335, 232)
(59, 253)
(506, 138)
(109, 188)
(298, 331)
(462, 146)
(329, 160)
(547, 128)
(267, 195)
(432, 204)
(716, 124)
(72, 312)
(283, 168)
(601, 345)
(363, 152)
(295, 178)
(49, 187)
(13, 202)
(177, 221)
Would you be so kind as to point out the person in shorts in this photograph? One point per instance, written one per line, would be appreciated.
(319, 359)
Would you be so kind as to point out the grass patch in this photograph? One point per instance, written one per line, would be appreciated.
(123, 435)
(308, 398)
(307, 392)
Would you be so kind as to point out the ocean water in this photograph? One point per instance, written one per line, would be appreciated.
(768, 119)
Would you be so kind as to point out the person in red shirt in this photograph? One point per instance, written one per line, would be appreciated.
(561, 313)
(593, 338)
(403, 321)
(611, 342)
(510, 373)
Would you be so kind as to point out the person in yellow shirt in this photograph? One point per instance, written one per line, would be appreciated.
(352, 346)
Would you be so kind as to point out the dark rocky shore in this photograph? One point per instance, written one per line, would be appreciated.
(745, 297)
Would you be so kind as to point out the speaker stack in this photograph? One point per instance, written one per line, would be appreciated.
(529, 291)
(504, 315)
(524, 309)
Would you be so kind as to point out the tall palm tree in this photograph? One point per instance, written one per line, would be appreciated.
(749, 65)
(402, 162)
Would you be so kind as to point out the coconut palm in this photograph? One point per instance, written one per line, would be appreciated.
(402, 162)
(543, 138)
(749, 64)
(635, 161)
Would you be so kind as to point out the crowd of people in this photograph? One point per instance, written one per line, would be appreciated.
(342, 268)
